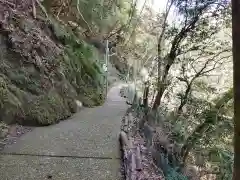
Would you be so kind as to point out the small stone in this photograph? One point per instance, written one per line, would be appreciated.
(49, 176)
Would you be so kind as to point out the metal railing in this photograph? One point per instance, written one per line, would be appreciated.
(108, 54)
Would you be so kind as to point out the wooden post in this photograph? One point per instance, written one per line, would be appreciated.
(129, 124)
(130, 118)
(125, 124)
(124, 139)
(130, 143)
(138, 159)
(133, 166)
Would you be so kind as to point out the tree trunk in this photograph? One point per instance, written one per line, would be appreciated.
(172, 54)
(145, 102)
(236, 65)
(162, 88)
(160, 85)
(158, 98)
(145, 96)
(184, 99)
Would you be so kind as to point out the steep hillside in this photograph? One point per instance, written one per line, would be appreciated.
(45, 69)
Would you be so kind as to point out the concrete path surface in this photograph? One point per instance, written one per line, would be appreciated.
(84, 147)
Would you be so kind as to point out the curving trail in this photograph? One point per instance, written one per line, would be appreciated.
(84, 147)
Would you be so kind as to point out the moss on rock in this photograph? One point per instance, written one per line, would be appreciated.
(45, 110)
(10, 105)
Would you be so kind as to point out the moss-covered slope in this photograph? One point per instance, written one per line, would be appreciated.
(44, 69)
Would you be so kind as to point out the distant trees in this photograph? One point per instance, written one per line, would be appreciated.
(199, 22)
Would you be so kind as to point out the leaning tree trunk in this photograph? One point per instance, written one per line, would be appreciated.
(145, 102)
(184, 99)
(162, 85)
(236, 65)
(145, 96)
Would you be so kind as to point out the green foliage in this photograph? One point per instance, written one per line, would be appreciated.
(26, 81)
(45, 110)
(9, 103)
(204, 87)
(82, 67)
(3, 130)
(101, 15)
(78, 57)
(172, 174)
(63, 34)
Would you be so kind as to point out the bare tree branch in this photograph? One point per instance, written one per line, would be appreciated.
(34, 9)
(42, 8)
(214, 66)
(79, 12)
(9, 3)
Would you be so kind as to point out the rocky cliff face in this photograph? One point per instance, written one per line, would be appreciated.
(44, 69)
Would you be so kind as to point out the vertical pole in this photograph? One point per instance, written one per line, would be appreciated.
(135, 76)
(236, 79)
(106, 61)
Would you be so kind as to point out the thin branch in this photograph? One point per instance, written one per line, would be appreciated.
(42, 8)
(147, 61)
(138, 20)
(214, 66)
(60, 9)
(210, 60)
(133, 7)
(9, 3)
(185, 8)
(79, 12)
(183, 80)
(34, 9)
(193, 67)
(109, 33)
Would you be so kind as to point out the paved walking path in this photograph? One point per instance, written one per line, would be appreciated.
(89, 140)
